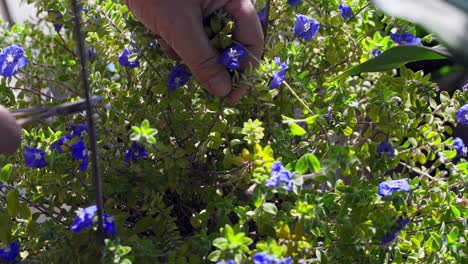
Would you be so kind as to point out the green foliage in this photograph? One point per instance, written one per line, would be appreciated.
(201, 193)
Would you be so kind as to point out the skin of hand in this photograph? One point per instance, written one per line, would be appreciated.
(179, 24)
(10, 132)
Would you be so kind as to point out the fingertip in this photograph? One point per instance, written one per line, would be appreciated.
(219, 84)
(235, 95)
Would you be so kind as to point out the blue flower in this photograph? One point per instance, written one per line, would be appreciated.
(10, 252)
(459, 146)
(400, 224)
(376, 53)
(278, 74)
(279, 175)
(136, 151)
(462, 114)
(12, 59)
(345, 11)
(57, 145)
(80, 129)
(178, 77)
(123, 59)
(35, 158)
(385, 147)
(108, 224)
(230, 261)
(84, 218)
(388, 187)
(263, 258)
(231, 57)
(294, 2)
(305, 27)
(405, 39)
(80, 152)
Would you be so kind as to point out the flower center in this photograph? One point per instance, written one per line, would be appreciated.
(233, 53)
(136, 153)
(38, 156)
(85, 152)
(7, 250)
(110, 219)
(10, 58)
(307, 26)
(177, 80)
(466, 116)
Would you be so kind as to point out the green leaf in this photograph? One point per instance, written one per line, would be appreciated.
(455, 211)
(313, 161)
(24, 211)
(215, 255)
(447, 19)
(297, 130)
(393, 58)
(13, 203)
(270, 208)
(220, 243)
(5, 173)
(302, 165)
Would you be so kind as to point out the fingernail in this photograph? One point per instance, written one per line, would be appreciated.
(220, 85)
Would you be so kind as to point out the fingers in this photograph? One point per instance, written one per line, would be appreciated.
(10, 132)
(248, 32)
(185, 34)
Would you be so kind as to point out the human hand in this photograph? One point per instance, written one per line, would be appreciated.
(10, 132)
(179, 24)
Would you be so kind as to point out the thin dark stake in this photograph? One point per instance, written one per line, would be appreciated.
(91, 130)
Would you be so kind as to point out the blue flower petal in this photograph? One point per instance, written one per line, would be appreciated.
(462, 114)
(345, 11)
(388, 187)
(34, 158)
(10, 252)
(123, 59)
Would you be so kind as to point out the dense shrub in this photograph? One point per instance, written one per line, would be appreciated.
(298, 171)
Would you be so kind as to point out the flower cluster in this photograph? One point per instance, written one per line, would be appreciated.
(178, 77)
(79, 150)
(405, 39)
(278, 176)
(462, 114)
(386, 148)
(400, 224)
(388, 187)
(264, 258)
(12, 59)
(10, 252)
(232, 57)
(85, 218)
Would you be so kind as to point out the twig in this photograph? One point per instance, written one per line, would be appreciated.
(357, 13)
(422, 173)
